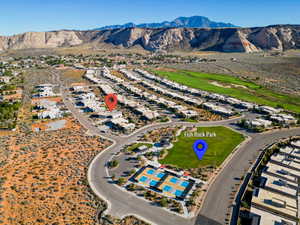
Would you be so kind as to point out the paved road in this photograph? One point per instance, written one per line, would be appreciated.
(218, 197)
(216, 203)
(122, 203)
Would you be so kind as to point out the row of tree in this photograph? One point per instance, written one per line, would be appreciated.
(9, 111)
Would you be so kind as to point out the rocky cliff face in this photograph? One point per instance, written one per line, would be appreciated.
(40, 40)
(281, 37)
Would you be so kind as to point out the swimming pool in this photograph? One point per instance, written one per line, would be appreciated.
(160, 175)
(167, 188)
(178, 193)
(153, 183)
(174, 180)
(150, 172)
(143, 179)
(185, 183)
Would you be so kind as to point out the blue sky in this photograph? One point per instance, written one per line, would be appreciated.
(17, 16)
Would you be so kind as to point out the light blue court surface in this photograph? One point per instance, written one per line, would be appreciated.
(174, 180)
(160, 175)
(143, 179)
(167, 188)
(178, 193)
(185, 183)
(153, 183)
(150, 172)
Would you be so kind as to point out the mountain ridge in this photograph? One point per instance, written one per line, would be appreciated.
(275, 37)
(187, 22)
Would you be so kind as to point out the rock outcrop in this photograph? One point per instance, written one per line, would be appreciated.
(40, 40)
(277, 37)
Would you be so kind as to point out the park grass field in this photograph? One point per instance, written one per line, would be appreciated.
(234, 87)
(219, 147)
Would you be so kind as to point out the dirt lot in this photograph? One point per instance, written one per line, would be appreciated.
(72, 75)
(43, 177)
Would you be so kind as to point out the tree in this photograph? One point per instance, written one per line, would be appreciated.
(162, 153)
(121, 181)
(131, 172)
(131, 187)
(245, 204)
(113, 176)
(113, 163)
(163, 202)
(190, 202)
(147, 194)
(7, 73)
(243, 123)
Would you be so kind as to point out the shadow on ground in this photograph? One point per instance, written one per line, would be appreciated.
(203, 220)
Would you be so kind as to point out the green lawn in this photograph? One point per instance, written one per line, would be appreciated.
(252, 92)
(136, 145)
(182, 154)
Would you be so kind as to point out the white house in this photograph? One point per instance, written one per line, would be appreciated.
(50, 114)
(189, 113)
(259, 123)
(123, 123)
(283, 119)
(269, 110)
(218, 109)
(115, 115)
(5, 79)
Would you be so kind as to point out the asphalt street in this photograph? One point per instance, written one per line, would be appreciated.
(218, 197)
(217, 202)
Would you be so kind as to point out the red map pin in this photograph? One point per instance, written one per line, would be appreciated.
(111, 101)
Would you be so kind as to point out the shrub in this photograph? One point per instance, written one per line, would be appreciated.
(121, 181)
(163, 202)
(113, 164)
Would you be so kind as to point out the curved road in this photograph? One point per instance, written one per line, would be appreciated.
(122, 203)
(218, 197)
(217, 200)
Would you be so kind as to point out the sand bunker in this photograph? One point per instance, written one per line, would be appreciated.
(227, 86)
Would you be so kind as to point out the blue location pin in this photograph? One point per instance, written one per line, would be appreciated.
(200, 151)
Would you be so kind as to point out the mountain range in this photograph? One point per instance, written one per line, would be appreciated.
(229, 39)
(187, 22)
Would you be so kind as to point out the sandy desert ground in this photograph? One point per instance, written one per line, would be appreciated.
(43, 177)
